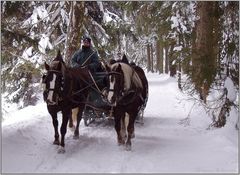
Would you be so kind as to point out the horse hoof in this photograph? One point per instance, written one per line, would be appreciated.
(56, 142)
(76, 137)
(72, 128)
(121, 143)
(128, 148)
(61, 150)
(71, 125)
(132, 136)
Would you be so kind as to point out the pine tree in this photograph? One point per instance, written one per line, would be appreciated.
(204, 60)
(75, 29)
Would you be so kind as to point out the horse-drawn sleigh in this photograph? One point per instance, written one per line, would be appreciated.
(120, 92)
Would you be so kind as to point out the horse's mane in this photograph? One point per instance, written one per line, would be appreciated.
(129, 75)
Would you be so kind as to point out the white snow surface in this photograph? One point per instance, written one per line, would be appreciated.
(168, 141)
(231, 95)
(44, 43)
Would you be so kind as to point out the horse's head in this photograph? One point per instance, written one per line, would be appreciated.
(52, 82)
(122, 80)
(115, 83)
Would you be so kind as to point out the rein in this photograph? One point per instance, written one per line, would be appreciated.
(114, 73)
(83, 64)
(86, 87)
(94, 81)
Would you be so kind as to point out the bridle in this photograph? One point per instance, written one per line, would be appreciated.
(121, 92)
(58, 91)
(113, 73)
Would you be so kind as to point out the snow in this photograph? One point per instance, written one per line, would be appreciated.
(39, 13)
(177, 48)
(109, 17)
(171, 140)
(174, 20)
(44, 43)
(231, 94)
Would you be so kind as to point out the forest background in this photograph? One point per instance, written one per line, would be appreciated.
(196, 42)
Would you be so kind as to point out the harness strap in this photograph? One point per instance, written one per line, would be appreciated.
(86, 87)
(50, 89)
(56, 71)
(129, 101)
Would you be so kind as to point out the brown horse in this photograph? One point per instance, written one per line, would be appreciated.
(65, 89)
(143, 78)
(127, 94)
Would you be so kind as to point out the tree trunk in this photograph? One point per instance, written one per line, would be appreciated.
(75, 29)
(159, 55)
(151, 51)
(119, 42)
(172, 62)
(158, 59)
(204, 59)
(166, 60)
(179, 75)
(224, 112)
(148, 58)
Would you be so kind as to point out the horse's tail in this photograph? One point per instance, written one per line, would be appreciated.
(144, 81)
(146, 98)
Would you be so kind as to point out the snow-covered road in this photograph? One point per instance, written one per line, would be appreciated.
(162, 144)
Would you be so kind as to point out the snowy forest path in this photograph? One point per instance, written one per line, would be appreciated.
(162, 143)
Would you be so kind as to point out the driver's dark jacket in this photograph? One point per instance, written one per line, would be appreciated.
(82, 55)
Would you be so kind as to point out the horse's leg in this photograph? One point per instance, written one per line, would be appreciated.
(70, 120)
(133, 132)
(65, 115)
(117, 117)
(132, 120)
(73, 118)
(123, 128)
(79, 117)
(55, 125)
(130, 130)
